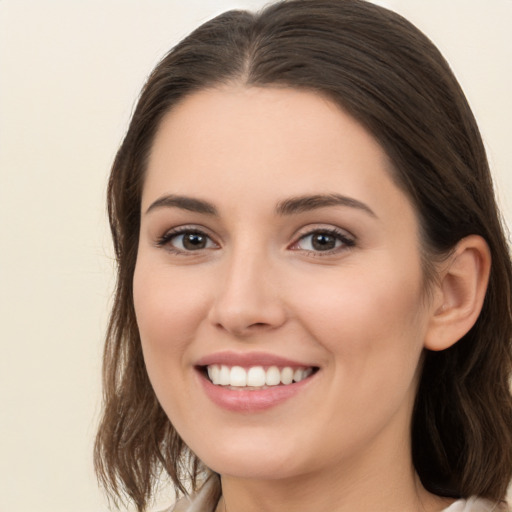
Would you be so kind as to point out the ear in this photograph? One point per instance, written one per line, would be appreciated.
(459, 293)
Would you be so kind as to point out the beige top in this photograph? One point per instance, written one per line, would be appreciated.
(206, 501)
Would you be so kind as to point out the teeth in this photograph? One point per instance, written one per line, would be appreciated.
(224, 376)
(286, 375)
(238, 377)
(213, 373)
(255, 376)
(273, 376)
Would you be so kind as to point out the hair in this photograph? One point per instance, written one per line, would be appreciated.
(385, 73)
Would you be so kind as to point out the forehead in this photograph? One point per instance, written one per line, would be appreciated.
(249, 143)
(262, 119)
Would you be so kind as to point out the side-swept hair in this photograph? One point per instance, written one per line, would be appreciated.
(385, 73)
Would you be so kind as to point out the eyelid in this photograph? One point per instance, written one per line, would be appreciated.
(348, 240)
(165, 239)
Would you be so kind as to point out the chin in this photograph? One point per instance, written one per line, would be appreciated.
(252, 462)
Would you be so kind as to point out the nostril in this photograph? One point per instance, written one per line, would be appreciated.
(259, 326)
(246, 315)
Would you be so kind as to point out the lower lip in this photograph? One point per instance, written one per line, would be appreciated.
(254, 400)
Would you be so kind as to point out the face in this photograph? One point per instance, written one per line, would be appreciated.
(278, 255)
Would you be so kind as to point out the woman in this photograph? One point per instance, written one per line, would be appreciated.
(313, 308)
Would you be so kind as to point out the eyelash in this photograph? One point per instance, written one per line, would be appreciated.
(346, 240)
(165, 240)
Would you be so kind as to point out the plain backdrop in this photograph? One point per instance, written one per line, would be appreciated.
(70, 71)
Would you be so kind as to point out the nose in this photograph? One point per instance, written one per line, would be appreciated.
(248, 299)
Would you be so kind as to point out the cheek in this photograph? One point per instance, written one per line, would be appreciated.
(169, 306)
(367, 318)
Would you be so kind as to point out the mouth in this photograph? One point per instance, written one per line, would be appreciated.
(255, 378)
(253, 382)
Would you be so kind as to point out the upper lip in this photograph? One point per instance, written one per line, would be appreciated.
(248, 359)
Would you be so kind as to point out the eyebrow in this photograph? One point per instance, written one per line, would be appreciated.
(306, 203)
(185, 203)
(291, 206)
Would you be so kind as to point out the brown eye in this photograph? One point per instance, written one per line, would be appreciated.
(324, 241)
(184, 241)
(194, 241)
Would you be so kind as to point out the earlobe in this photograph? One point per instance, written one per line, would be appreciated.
(460, 293)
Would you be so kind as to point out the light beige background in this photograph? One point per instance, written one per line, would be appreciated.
(70, 71)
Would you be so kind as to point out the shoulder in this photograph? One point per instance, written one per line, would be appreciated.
(182, 505)
(207, 497)
(205, 500)
(475, 504)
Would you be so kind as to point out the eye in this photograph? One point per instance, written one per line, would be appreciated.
(183, 240)
(324, 240)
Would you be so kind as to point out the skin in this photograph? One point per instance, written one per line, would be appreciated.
(359, 312)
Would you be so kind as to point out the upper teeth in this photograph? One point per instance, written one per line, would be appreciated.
(255, 376)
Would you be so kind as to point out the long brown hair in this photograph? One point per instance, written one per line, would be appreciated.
(392, 79)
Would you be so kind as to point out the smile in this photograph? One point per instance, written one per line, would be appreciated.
(253, 382)
(255, 377)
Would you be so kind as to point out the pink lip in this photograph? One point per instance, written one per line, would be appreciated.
(251, 401)
(248, 359)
